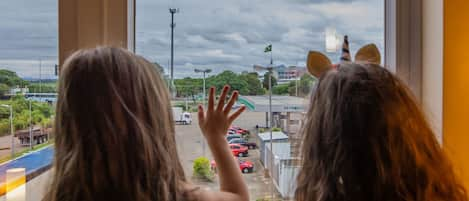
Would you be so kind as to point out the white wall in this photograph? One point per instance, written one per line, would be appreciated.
(432, 78)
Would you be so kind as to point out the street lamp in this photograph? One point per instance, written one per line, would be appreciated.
(204, 72)
(11, 130)
(30, 126)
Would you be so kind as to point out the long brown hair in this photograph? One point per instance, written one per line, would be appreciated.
(114, 131)
(365, 138)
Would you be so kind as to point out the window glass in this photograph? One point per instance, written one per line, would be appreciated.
(28, 58)
(226, 40)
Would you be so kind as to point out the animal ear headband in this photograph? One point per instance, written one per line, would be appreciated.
(318, 63)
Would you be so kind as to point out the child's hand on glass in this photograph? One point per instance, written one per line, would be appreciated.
(215, 121)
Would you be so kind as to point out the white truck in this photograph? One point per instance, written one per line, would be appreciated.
(181, 117)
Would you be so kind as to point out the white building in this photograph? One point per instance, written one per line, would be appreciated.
(284, 168)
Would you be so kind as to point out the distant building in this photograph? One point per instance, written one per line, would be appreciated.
(284, 168)
(264, 140)
(287, 74)
(18, 90)
(42, 97)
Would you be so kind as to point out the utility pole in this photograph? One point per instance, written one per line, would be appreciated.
(173, 25)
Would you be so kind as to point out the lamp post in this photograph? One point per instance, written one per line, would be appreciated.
(11, 130)
(204, 72)
(30, 126)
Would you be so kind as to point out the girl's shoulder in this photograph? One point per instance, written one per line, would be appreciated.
(196, 193)
(192, 192)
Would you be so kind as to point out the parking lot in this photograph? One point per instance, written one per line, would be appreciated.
(190, 146)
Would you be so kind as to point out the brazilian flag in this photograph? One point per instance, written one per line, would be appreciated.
(268, 48)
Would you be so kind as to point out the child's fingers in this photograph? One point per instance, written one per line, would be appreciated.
(201, 115)
(211, 99)
(221, 101)
(236, 114)
(231, 102)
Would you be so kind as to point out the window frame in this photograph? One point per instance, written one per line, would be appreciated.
(403, 42)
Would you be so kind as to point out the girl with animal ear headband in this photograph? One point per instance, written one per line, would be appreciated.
(365, 138)
(318, 63)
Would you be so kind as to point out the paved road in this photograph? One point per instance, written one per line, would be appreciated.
(189, 139)
(5, 146)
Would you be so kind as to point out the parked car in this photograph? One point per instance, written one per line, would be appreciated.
(244, 166)
(239, 150)
(250, 145)
(231, 132)
(229, 137)
(239, 130)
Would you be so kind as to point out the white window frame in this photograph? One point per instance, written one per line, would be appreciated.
(403, 42)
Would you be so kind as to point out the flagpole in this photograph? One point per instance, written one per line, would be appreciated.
(271, 123)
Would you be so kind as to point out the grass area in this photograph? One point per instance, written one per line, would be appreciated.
(26, 151)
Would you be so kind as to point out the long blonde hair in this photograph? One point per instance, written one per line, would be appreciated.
(115, 138)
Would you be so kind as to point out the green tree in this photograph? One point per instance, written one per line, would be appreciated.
(305, 85)
(40, 113)
(4, 126)
(188, 87)
(254, 84)
(281, 89)
(42, 88)
(201, 168)
(265, 83)
(228, 78)
(11, 79)
(4, 88)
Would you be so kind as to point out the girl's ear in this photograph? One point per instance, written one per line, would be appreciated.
(318, 63)
(368, 54)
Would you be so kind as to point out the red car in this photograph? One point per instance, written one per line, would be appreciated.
(238, 130)
(239, 150)
(244, 166)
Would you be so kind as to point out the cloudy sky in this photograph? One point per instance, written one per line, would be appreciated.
(223, 34)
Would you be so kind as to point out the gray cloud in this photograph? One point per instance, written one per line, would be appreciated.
(220, 35)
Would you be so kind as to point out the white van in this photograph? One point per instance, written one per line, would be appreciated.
(181, 117)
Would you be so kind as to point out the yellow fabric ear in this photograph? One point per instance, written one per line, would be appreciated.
(368, 54)
(318, 63)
